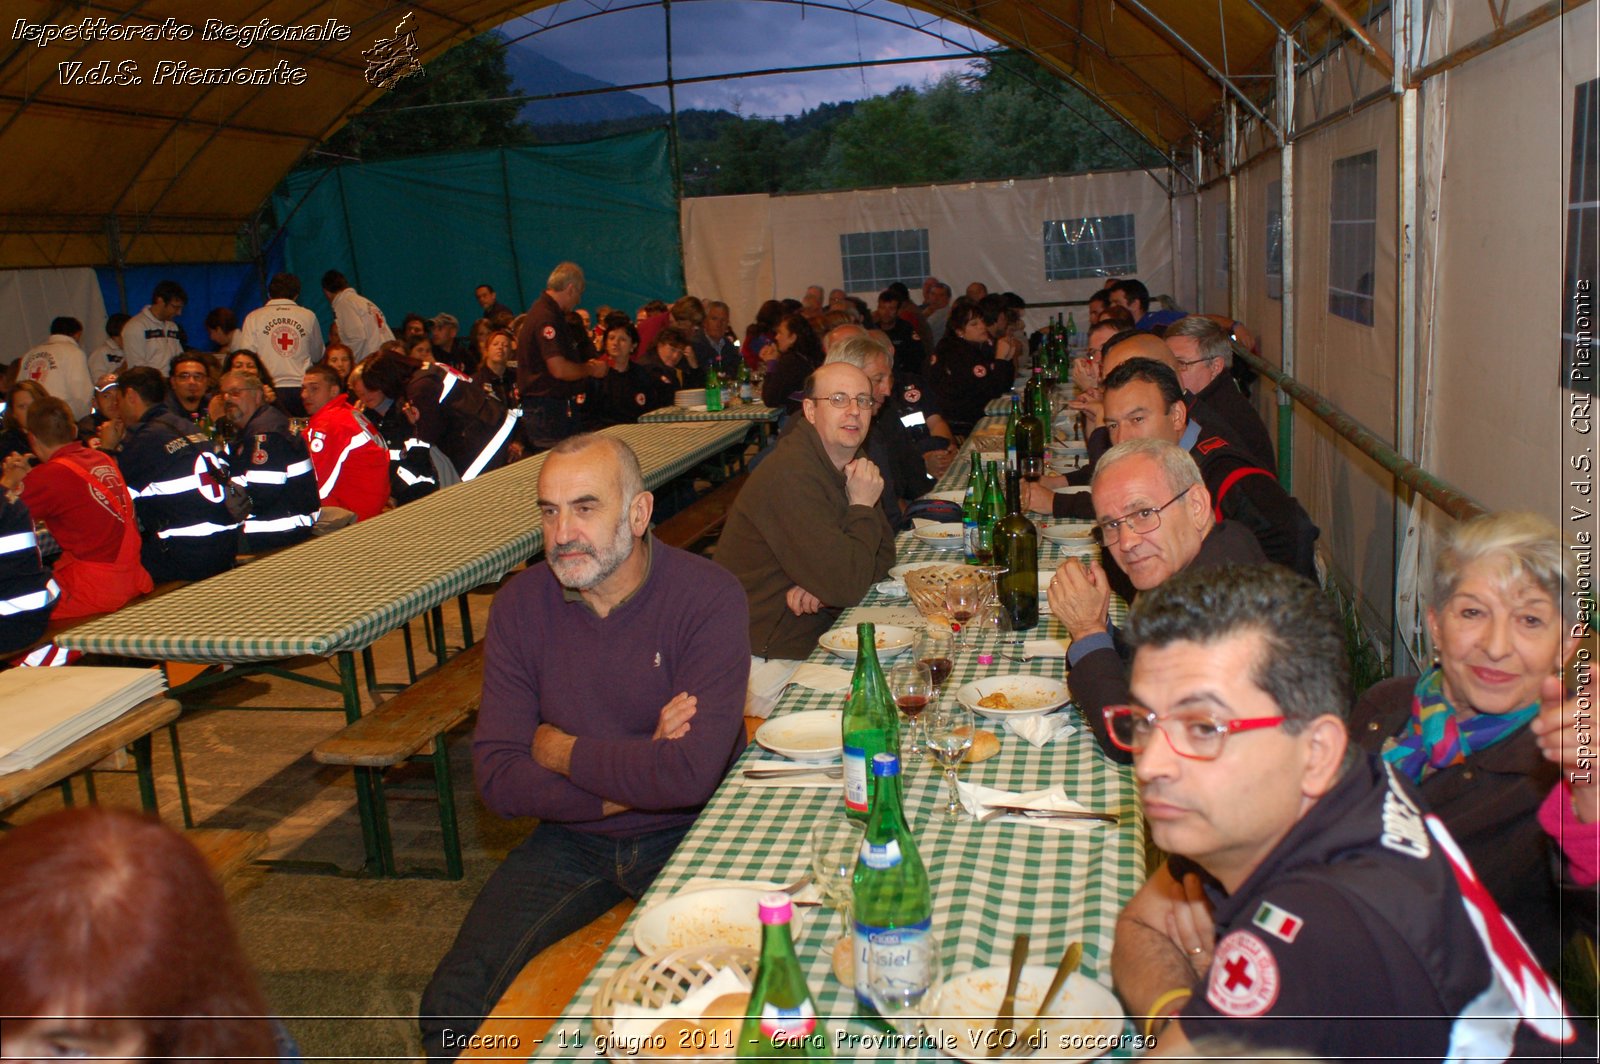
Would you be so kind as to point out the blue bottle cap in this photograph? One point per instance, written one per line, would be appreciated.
(886, 764)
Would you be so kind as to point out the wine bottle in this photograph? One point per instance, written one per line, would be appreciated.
(713, 388)
(1011, 429)
(870, 726)
(1072, 332)
(1016, 547)
(782, 1020)
(1032, 433)
(747, 390)
(971, 510)
(994, 508)
(893, 904)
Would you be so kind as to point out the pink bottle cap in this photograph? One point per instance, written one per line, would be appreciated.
(776, 908)
(985, 659)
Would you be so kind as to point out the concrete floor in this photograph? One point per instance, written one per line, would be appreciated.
(342, 959)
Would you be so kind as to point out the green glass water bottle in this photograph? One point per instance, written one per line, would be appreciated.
(870, 726)
(893, 905)
(782, 1022)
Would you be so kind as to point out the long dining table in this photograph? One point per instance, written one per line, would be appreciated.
(990, 881)
(334, 596)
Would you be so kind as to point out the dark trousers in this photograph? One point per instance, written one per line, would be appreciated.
(546, 421)
(557, 881)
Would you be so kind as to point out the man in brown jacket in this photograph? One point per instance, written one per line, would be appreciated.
(806, 536)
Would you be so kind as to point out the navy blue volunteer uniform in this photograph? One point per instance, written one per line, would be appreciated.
(461, 418)
(273, 466)
(179, 488)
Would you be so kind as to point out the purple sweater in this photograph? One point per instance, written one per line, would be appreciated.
(604, 680)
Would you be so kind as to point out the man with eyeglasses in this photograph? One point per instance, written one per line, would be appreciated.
(806, 536)
(1204, 352)
(1309, 902)
(1154, 518)
(189, 386)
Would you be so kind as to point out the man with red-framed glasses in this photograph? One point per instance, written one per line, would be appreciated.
(1309, 903)
(1154, 516)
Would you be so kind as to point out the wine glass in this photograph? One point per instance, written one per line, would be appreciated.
(961, 600)
(949, 728)
(935, 650)
(835, 845)
(902, 969)
(911, 685)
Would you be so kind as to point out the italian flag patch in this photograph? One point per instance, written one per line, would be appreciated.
(1280, 923)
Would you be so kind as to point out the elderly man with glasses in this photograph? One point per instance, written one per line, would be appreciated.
(806, 536)
(1154, 517)
(1309, 903)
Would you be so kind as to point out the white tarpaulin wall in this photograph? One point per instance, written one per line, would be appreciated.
(30, 299)
(748, 249)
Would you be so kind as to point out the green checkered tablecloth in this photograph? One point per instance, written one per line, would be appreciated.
(342, 592)
(735, 411)
(990, 881)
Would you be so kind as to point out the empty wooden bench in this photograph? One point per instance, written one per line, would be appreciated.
(227, 850)
(703, 518)
(396, 731)
(545, 987)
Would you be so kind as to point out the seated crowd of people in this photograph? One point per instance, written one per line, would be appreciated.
(1393, 876)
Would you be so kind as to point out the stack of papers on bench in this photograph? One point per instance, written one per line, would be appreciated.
(44, 711)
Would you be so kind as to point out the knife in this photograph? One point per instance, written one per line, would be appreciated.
(1005, 1020)
(1050, 814)
(1069, 964)
(832, 772)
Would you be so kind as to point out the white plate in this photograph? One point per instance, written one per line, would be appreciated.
(1072, 533)
(947, 536)
(892, 588)
(712, 916)
(1082, 1012)
(1034, 695)
(810, 736)
(891, 640)
(957, 497)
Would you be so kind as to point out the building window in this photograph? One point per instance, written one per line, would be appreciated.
(1275, 240)
(874, 261)
(1079, 248)
(1583, 243)
(1352, 237)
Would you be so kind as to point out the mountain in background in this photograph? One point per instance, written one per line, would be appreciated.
(535, 74)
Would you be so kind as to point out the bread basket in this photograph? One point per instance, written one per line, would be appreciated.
(664, 979)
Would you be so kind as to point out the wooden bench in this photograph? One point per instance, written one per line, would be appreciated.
(227, 850)
(703, 518)
(395, 731)
(545, 987)
(132, 728)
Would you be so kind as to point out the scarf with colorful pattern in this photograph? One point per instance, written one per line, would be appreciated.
(1437, 737)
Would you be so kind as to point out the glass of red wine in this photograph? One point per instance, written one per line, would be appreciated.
(962, 598)
(936, 650)
(911, 686)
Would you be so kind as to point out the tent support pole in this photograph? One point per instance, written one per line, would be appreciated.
(1286, 88)
(511, 230)
(1408, 117)
(1230, 157)
(672, 128)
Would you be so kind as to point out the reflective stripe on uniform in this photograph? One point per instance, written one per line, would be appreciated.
(18, 541)
(326, 488)
(201, 530)
(280, 524)
(449, 383)
(492, 448)
(273, 476)
(176, 486)
(411, 479)
(33, 600)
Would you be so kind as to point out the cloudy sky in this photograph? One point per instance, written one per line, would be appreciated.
(714, 37)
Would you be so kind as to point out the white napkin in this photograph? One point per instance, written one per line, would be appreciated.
(1043, 729)
(824, 678)
(1046, 648)
(805, 780)
(767, 681)
(977, 800)
(633, 1023)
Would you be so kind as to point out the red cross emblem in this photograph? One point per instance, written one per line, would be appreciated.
(1244, 978)
(284, 339)
(913, 394)
(980, 370)
(209, 476)
(549, 332)
(37, 371)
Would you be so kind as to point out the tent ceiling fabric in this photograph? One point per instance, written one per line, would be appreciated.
(172, 171)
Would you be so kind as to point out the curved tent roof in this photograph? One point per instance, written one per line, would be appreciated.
(170, 170)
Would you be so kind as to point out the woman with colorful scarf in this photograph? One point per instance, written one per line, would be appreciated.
(1501, 623)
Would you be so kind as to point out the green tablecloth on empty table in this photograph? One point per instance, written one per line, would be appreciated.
(735, 411)
(342, 592)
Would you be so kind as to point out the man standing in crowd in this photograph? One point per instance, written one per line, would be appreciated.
(1135, 297)
(617, 762)
(108, 357)
(285, 337)
(359, 321)
(554, 364)
(80, 494)
(272, 465)
(1307, 893)
(806, 537)
(492, 307)
(178, 485)
(447, 348)
(60, 366)
(348, 457)
(1155, 521)
(152, 337)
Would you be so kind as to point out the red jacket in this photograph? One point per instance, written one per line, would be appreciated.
(350, 459)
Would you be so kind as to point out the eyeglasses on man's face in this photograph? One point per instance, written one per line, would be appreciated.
(839, 400)
(1194, 734)
(1141, 522)
(1186, 363)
